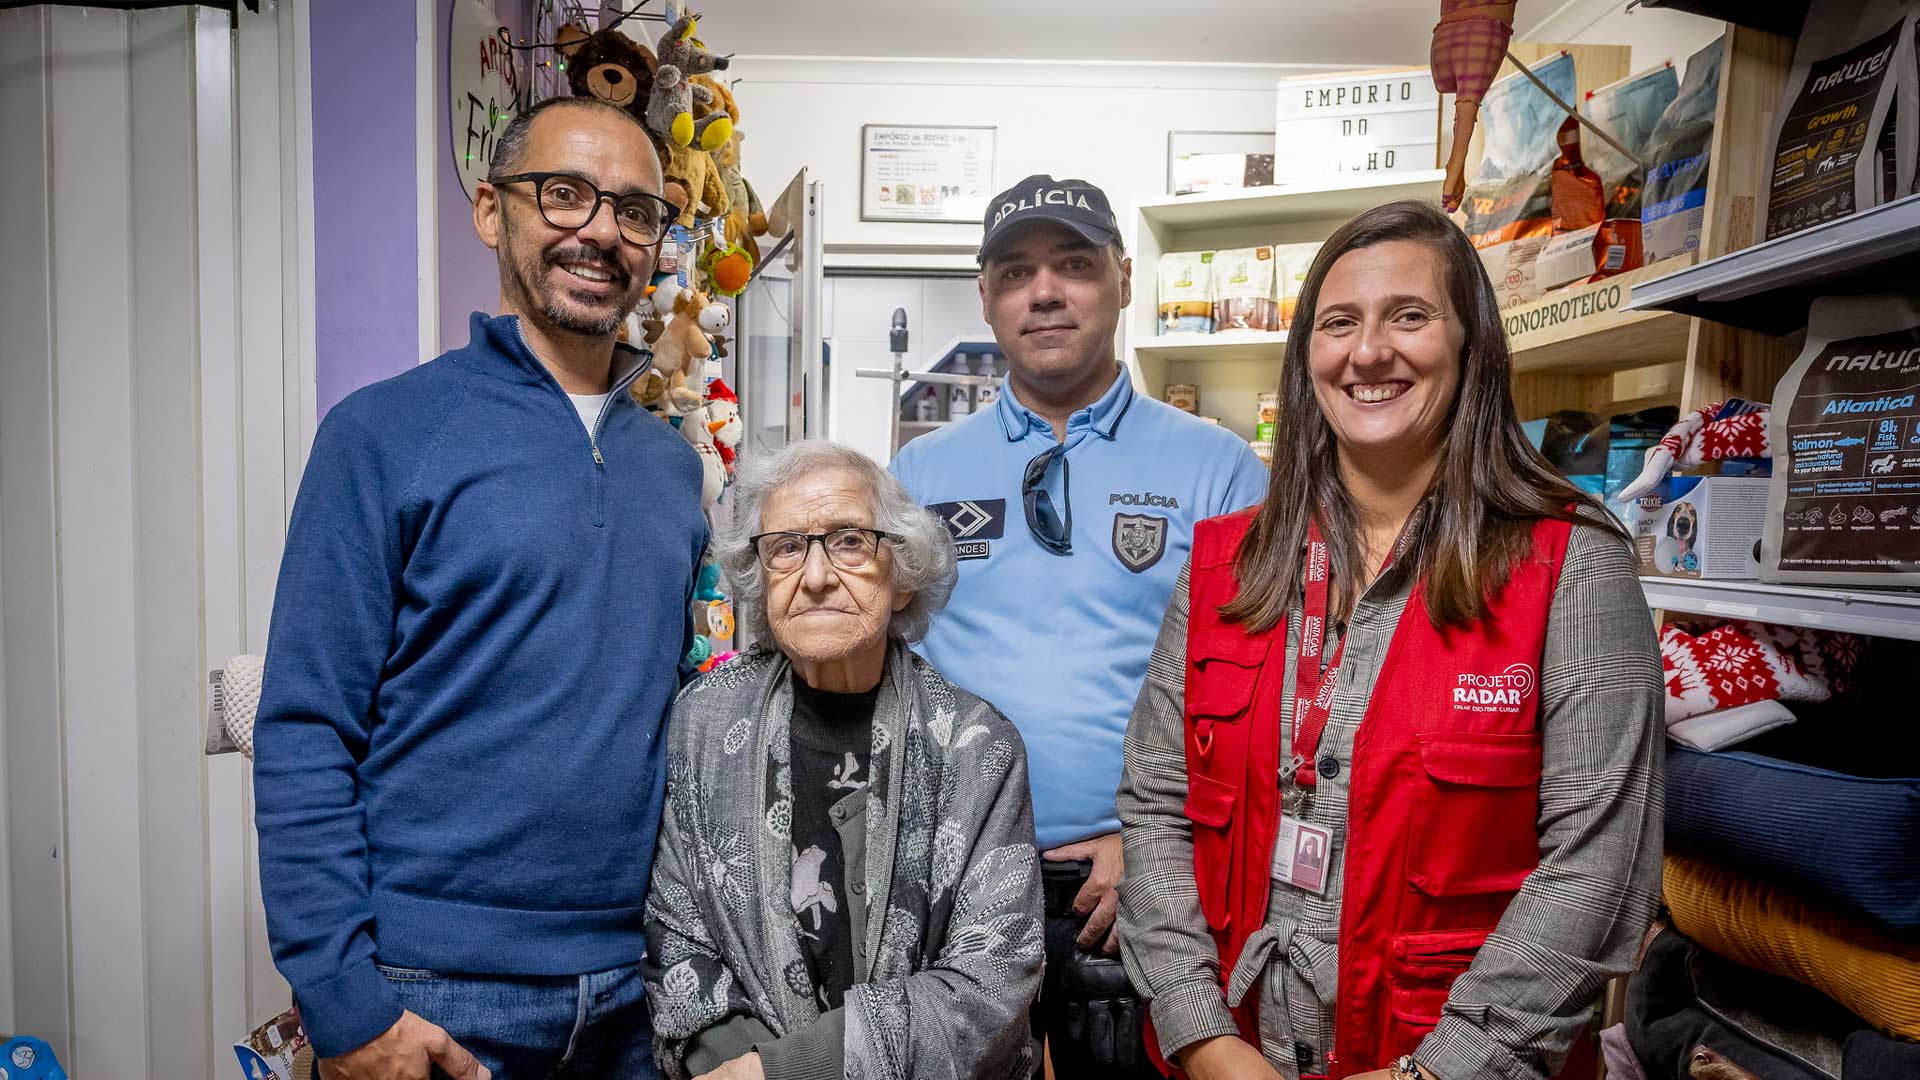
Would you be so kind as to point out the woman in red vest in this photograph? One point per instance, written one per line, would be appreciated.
(1392, 787)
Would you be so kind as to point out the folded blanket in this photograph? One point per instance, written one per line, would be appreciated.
(1738, 663)
(1722, 728)
(1762, 926)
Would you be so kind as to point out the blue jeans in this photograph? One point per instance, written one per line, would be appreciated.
(569, 1027)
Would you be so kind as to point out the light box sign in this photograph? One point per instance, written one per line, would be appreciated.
(484, 87)
(1358, 124)
(925, 173)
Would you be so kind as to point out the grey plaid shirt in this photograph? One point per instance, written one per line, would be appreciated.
(1577, 920)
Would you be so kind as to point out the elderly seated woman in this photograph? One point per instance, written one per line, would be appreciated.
(846, 882)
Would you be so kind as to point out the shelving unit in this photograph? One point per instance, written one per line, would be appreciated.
(1767, 287)
(1234, 367)
(1883, 613)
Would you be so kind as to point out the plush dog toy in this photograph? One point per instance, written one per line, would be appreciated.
(681, 346)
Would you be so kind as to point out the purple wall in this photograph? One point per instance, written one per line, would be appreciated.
(469, 273)
(366, 266)
(365, 197)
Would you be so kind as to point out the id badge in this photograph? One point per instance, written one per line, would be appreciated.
(1300, 855)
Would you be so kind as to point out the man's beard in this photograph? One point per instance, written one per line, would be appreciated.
(532, 269)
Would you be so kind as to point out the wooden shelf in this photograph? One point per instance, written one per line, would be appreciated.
(1229, 345)
(1783, 17)
(1767, 287)
(1255, 207)
(1883, 613)
(1591, 329)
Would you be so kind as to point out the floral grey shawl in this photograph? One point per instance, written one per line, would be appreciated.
(953, 938)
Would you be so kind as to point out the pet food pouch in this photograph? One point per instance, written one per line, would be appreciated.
(1295, 260)
(1673, 203)
(1243, 280)
(1845, 432)
(1579, 206)
(1852, 67)
(1186, 292)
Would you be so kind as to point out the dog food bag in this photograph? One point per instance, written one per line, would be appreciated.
(1844, 505)
(1186, 292)
(1627, 110)
(1295, 260)
(1673, 203)
(1243, 296)
(1852, 78)
(1510, 205)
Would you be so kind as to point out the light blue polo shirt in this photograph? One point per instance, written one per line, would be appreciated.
(1060, 643)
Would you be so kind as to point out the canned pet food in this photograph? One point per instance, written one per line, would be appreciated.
(1263, 451)
(1263, 432)
(1183, 396)
(1270, 407)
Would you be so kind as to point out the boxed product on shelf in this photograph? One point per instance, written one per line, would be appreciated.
(1844, 138)
(1186, 292)
(1243, 284)
(1700, 526)
(1182, 396)
(1845, 435)
(1673, 203)
(1294, 262)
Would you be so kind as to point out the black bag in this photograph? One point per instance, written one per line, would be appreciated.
(1685, 1003)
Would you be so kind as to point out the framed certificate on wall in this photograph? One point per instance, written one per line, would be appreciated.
(918, 172)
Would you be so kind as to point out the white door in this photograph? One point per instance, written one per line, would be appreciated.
(155, 405)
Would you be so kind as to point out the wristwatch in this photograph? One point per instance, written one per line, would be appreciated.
(1408, 1069)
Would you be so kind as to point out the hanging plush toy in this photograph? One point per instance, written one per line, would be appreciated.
(608, 65)
(670, 106)
(713, 469)
(723, 419)
(747, 218)
(1469, 44)
(681, 346)
(688, 119)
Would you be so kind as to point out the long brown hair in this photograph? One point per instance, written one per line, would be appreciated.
(1489, 490)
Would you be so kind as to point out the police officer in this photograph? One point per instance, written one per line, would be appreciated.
(1071, 502)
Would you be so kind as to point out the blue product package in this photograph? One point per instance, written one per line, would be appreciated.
(23, 1057)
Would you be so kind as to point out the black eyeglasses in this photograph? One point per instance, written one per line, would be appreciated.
(1043, 522)
(848, 549)
(567, 201)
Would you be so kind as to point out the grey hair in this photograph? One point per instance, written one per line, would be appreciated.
(922, 548)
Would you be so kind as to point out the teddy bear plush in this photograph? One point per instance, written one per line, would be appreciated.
(670, 105)
(608, 65)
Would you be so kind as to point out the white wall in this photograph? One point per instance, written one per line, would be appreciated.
(1655, 35)
(857, 312)
(1105, 123)
(152, 374)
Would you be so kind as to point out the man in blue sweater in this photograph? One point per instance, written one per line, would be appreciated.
(480, 622)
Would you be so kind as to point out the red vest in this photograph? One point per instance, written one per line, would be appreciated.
(1442, 817)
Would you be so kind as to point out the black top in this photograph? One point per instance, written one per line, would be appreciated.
(832, 739)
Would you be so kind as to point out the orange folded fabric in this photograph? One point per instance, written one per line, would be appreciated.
(1873, 974)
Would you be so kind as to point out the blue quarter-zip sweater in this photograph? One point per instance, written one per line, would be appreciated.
(481, 614)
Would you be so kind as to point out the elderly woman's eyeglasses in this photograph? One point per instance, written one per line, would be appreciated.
(848, 549)
(569, 202)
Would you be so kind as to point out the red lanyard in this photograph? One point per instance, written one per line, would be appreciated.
(1312, 688)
